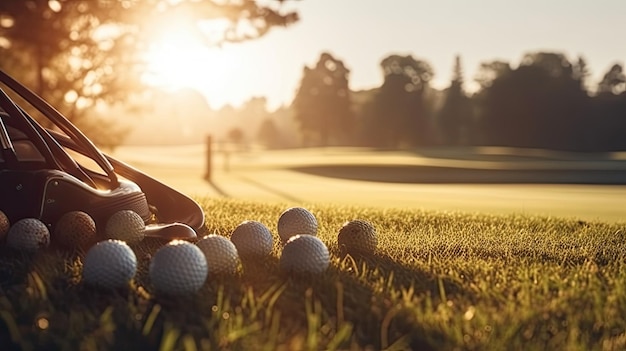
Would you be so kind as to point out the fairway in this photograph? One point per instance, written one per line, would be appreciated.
(478, 180)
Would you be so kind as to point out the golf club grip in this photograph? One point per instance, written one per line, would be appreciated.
(59, 120)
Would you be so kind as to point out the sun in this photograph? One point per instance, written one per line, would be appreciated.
(179, 60)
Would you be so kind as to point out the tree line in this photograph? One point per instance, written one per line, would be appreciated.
(544, 102)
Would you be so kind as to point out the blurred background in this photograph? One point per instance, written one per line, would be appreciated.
(403, 92)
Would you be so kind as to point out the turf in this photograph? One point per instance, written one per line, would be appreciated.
(439, 281)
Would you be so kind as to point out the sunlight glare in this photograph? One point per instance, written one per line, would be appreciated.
(179, 60)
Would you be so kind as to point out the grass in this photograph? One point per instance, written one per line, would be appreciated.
(439, 281)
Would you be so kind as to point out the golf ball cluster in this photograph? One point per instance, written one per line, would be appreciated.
(28, 234)
(295, 221)
(357, 237)
(74, 229)
(305, 254)
(221, 254)
(109, 264)
(4, 225)
(178, 268)
(252, 239)
(125, 225)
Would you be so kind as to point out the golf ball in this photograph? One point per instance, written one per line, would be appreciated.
(357, 237)
(178, 268)
(109, 264)
(28, 234)
(305, 254)
(74, 229)
(295, 221)
(125, 225)
(252, 238)
(4, 225)
(221, 254)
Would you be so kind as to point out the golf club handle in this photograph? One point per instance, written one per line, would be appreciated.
(10, 108)
(8, 152)
(63, 123)
(5, 141)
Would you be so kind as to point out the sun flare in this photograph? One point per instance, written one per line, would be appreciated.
(179, 60)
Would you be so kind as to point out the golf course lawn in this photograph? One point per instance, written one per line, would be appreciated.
(478, 180)
(437, 281)
(481, 265)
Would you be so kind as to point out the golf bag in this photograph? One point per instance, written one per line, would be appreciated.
(39, 177)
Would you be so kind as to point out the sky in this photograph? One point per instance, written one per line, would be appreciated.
(363, 32)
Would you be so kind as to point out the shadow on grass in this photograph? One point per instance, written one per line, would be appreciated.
(357, 291)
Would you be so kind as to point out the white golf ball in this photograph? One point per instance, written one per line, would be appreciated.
(295, 221)
(221, 254)
(109, 264)
(4, 225)
(74, 229)
(357, 237)
(125, 225)
(252, 238)
(28, 234)
(178, 268)
(305, 254)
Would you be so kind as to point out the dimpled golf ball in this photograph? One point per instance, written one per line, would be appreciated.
(252, 238)
(74, 229)
(125, 225)
(304, 254)
(178, 268)
(295, 221)
(221, 254)
(357, 237)
(28, 234)
(109, 264)
(4, 225)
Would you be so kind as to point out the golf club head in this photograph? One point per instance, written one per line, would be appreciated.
(170, 231)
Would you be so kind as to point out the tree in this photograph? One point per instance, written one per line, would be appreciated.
(488, 72)
(322, 103)
(269, 135)
(581, 72)
(398, 111)
(539, 104)
(77, 53)
(609, 108)
(614, 81)
(455, 115)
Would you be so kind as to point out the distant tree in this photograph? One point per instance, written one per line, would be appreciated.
(581, 72)
(322, 104)
(286, 124)
(614, 81)
(269, 135)
(76, 53)
(455, 116)
(398, 112)
(608, 127)
(488, 72)
(236, 136)
(251, 113)
(539, 104)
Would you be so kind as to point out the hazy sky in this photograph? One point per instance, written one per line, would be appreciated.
(363, 32)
